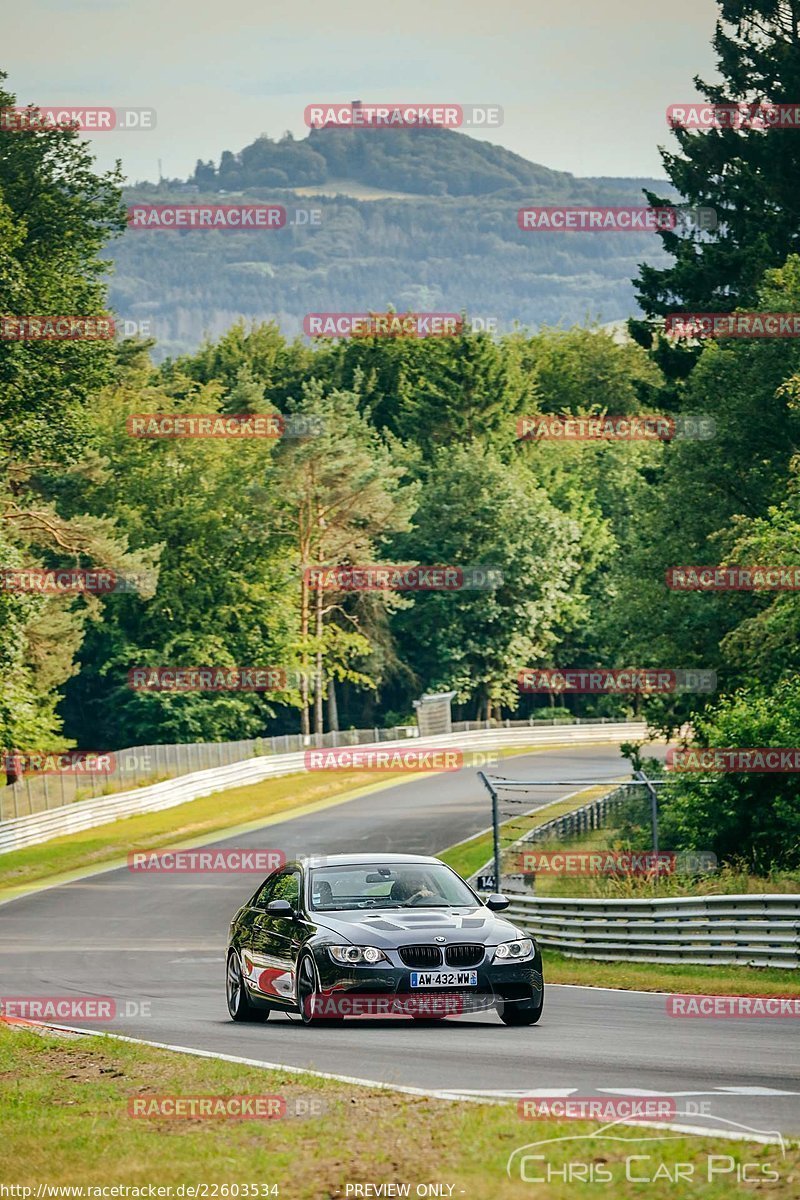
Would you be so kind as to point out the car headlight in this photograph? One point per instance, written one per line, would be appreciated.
(515, 951)
(357, 954)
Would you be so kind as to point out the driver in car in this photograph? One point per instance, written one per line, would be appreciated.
(410, 889)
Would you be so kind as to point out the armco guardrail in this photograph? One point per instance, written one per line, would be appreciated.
(757, 930)
(86, 814)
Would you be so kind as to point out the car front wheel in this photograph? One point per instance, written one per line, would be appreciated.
(308, 991)
(521, 1013)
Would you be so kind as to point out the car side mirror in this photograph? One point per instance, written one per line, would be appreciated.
(496, 902)
(280, 908)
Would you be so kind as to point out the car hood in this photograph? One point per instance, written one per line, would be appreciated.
(400, 927)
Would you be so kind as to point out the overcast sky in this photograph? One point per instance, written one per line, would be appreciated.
(584, 84)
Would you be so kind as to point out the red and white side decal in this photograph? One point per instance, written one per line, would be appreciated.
(265, 978)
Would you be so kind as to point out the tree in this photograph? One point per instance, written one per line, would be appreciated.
(456, 389)
(270, 365)
(342, 492)
(766, 645)
(694, 511)
(582, 370)
(752, 818)
(220, 587)
(56, 214)
(748, 176)
(474, 511)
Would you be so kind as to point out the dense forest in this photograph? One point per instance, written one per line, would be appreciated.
(411, 455)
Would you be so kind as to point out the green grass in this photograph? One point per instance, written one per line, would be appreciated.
(65, 1121)
(196, 820)
(729, 879)
(665, 977)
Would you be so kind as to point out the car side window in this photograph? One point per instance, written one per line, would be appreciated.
(264, 894)
(287, 887)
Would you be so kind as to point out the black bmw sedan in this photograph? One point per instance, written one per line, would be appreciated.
(381, 935)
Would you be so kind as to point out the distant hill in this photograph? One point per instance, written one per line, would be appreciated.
(423, 219)
(427, 162)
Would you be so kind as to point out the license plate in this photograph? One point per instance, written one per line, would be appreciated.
(438, 979)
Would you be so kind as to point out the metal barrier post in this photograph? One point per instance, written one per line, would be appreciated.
(640, 775)
(495, 830)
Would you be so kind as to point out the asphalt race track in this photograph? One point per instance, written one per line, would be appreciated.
(158, 940)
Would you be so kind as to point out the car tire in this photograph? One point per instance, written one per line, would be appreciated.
(240, 1007)
(516, 1013)
(308, 985)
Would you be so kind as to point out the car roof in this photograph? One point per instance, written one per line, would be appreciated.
(356, 860)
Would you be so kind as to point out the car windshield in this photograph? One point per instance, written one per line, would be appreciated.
(407, 885)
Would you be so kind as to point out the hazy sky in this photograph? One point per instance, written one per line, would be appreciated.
(584, 83)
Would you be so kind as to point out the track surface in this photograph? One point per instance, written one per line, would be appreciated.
(159, 940)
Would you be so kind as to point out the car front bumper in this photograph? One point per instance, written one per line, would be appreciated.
(496, 983)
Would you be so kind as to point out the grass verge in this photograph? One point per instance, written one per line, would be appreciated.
(469, 856)
(666, 977)
(66, 1123)
(729, 879)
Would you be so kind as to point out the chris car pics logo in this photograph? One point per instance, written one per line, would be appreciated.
(620, 1154)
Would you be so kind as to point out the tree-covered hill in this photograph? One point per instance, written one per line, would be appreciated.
(430, 162)
(443, 238)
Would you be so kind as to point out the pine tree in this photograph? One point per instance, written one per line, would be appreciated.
(749, 176)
